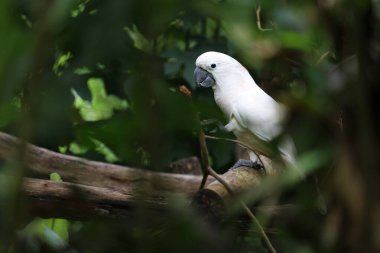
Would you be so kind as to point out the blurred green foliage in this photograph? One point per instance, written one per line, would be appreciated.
(101, 106)
(100, 79)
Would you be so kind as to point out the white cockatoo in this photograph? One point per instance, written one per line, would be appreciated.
(253, 116)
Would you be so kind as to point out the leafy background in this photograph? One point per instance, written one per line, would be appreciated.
(100, 80)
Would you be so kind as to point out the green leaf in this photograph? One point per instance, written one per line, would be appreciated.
(139, 41)
(62, 149)
(60, 227)
(61, 62)
(77, 149)
(80, 8)
(82, 71)
(101, 106)
(54, 232)
(101, 148)
(55, 177)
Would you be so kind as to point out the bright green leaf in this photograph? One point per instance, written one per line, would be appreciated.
(82, 71)
(101, 148)
(61, 62)
(101, 106)
(80, 8)
(77, 149)
(55, 177)
(61, 228)
(54, 232)
(62, 149)
(139, 41)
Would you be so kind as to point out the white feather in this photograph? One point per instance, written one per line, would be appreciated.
(254, 117)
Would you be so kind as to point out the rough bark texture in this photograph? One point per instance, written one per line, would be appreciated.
(81, 171)
(68, 200)
(98, 189)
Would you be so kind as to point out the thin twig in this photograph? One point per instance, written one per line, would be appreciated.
(238, 142)
(204, 150)
(323, 56)
(258, 21)
(261, 229)
(294, 62)
(204, 157)
(227, 139)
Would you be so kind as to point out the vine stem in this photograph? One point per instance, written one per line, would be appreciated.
(258, 21)
(209, 171)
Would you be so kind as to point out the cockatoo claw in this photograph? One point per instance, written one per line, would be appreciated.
(248, 163)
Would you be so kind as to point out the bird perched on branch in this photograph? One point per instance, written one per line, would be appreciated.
(254, 117)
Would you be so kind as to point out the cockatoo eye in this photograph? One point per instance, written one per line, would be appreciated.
(213, 65)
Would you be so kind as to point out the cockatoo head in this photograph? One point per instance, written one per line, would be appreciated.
(212, 68)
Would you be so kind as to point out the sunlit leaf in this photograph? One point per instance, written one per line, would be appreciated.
(62, 149)
(101, 148)
(61, 62)
(102, 106)
(60, 227)
(54, 232)
(82, 71)
(139, 41)
(80, 8)
(77, 149)
(55, 177)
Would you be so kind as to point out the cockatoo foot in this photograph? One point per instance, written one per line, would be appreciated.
(248, 163)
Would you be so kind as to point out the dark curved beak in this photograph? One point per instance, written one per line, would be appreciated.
(203, 78)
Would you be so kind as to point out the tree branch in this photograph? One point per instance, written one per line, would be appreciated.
(77, 170)
(95, 189)
(51, 199)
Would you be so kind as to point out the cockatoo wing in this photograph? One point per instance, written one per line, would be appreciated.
(262, 115)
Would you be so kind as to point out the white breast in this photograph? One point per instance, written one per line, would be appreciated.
(239, 97)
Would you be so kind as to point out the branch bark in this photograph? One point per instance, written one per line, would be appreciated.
(77, 170)
(101, 189)
(50, 199)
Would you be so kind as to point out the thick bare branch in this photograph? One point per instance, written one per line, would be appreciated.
(98, 189)
(68, 200)
(81, 171)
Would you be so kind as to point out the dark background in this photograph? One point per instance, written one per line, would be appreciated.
(320, 58)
